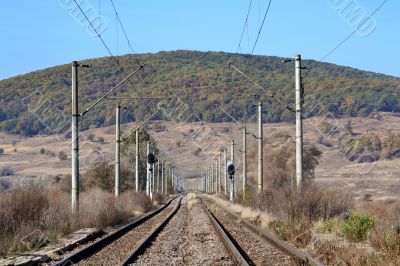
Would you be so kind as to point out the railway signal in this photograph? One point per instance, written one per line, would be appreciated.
(231, 175)
(150, 162)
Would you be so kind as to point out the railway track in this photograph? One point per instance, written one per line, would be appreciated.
(113, 249)
(189, 239)
(189, 235)
(255, 245)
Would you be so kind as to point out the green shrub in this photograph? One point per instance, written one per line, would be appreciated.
(328, 225)
(357, 226)
(280, 229)
(246, 197)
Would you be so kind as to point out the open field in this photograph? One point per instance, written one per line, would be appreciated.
(186, 146)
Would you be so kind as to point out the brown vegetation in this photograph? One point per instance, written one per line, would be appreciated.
(31, 217)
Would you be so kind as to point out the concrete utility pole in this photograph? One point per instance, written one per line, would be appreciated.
(117, 149)
(244, 161)
(212, 177)
(166, 179)
(299, 125)
(216, 176)
(148, 173)
(74, 130)
(206, 181)
(172, 180)
(219, 172)
(233, 162)
(162, 177)
(226, 171)
(75, 141)
(260, 148)
(137, 162)
(153, 174)
(158, 175)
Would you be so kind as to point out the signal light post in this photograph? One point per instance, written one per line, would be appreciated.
(150, 163)
(232, 192)
(231, 173)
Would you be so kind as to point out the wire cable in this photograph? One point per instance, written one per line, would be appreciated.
(352, 33)
(244, 26)
(103, 42)
(122, 26)
(261, 27)
(125, 34)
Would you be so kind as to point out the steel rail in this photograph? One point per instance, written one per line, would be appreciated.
(145, 242)
(271, 238)
(108, 239)
(236, 255)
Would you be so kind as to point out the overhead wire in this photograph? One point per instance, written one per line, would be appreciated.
(103, 42)
(244, 26)
(352, 33)
(124, 31)
(259, 32)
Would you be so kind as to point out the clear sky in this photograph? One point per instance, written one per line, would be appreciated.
(39, 34)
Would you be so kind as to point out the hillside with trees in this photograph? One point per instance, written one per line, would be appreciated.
(40, 102)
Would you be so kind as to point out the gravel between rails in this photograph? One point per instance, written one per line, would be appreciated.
(188, 239)
(116, 252)
(259, 250)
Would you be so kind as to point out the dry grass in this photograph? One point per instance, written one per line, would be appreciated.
(332, 252)
(386, 234)
(32, 217)
(307, 206)
(158, 198)
(191, 200)
(261, 218)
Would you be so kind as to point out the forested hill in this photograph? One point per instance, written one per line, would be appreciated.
(40, 102)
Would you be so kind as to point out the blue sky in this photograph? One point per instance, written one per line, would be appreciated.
(40, 34)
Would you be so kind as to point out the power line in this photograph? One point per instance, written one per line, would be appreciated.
(122, 26)
(103, 42)
(352, 33)
(262, 24)
(244, 26)
(123, 30)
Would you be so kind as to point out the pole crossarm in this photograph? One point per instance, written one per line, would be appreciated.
(262, 88)
(247, 77)
(240, 124)
(138, 98)
(111, 91)
(140, 125)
